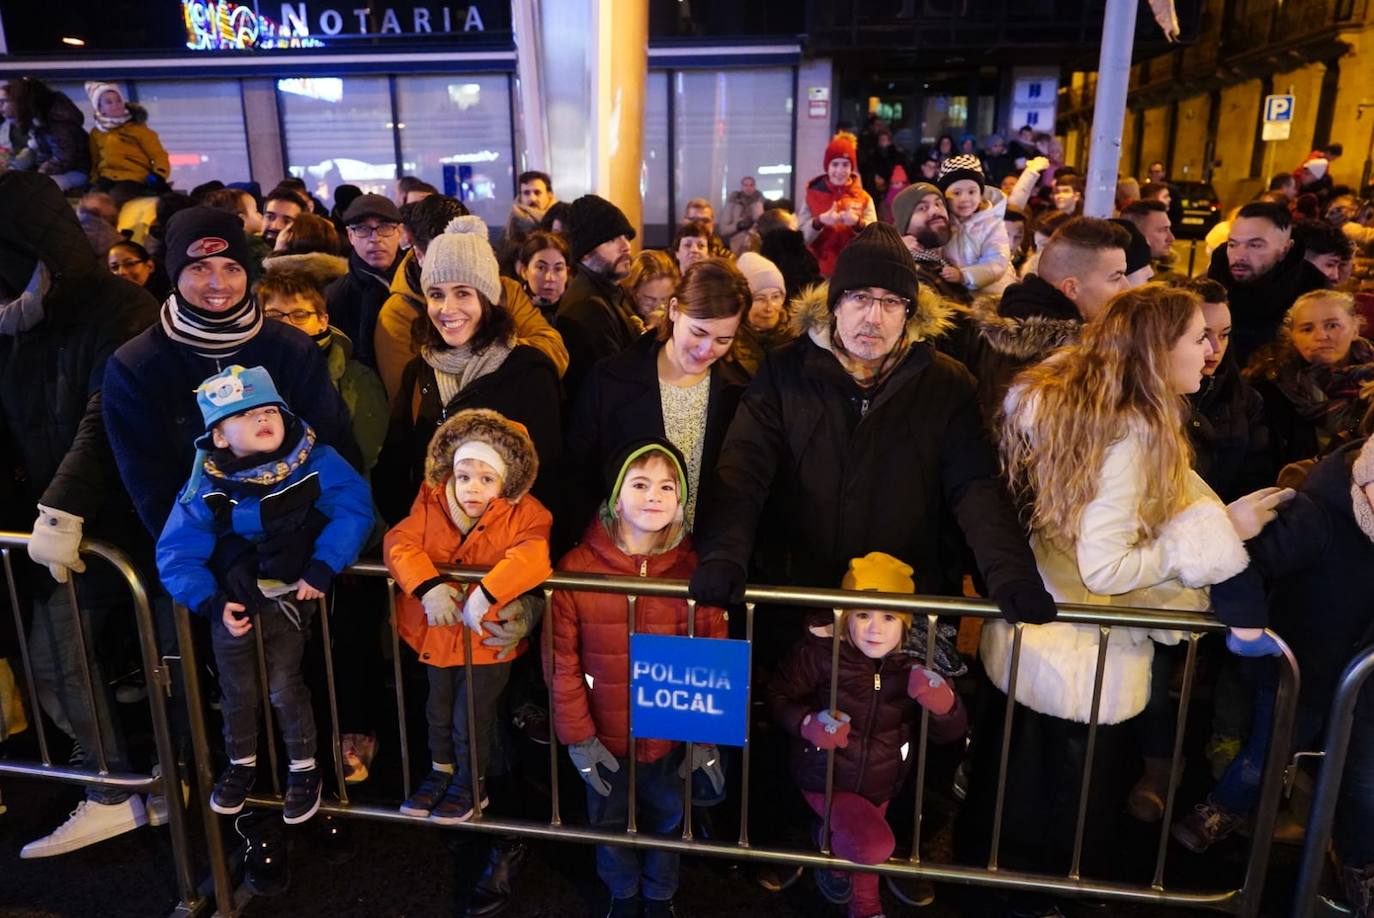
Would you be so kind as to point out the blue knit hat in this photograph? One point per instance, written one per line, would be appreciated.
(234, 391)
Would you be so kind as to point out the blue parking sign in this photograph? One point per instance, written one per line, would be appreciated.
(1278, 108)
(689, 689)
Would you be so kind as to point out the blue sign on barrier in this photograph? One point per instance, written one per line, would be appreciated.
(690, 689)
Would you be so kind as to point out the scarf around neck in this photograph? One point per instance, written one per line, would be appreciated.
(1330, 396)
(455, 368)
(214, 335)
(106, 123)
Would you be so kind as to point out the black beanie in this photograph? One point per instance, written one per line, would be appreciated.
(1138, 252)
(595, 220)
(875, 258)
(197, 233)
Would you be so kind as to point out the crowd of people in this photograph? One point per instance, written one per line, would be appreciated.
(968, 388)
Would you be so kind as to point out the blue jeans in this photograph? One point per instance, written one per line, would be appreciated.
(237, 659)
(658, 801)
(55, 656)
(1239, 787)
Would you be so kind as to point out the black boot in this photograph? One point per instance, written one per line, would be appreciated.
(266, 869)
(493, 890)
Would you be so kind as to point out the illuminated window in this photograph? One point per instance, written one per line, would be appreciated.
(337, 131)
(653, 176)
(200, 123)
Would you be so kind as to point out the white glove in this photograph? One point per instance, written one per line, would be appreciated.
(441, 605)
(475, 609)
(1038, 164)
(1251, 513)
(56, 542)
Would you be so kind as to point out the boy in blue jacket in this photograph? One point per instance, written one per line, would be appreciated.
(267, 520)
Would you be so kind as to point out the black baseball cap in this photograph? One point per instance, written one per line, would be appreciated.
(371, 205)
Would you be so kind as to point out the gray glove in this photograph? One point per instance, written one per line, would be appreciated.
(707, 758)
(588, 754)
(56, 542)
(441, 606)
(517, 619)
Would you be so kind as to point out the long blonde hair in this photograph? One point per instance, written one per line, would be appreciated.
(1068, 411)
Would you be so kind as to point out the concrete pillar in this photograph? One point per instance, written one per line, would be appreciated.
(582, 96)
(813, 133)
(266, 155)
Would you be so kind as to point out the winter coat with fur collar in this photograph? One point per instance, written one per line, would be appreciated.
(1311, 576)
(590, 679)
(1111, 563)
(845, 470)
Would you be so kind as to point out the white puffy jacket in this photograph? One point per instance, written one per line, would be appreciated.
(979, 246)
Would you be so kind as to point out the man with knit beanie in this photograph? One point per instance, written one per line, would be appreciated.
(920, 215)
(211, 319)
(836, 206)
(596, 316)
(861, 435)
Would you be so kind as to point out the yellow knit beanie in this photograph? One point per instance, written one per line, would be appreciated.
(879, 572)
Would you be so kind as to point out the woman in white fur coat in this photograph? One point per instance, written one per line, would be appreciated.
(1093, 440)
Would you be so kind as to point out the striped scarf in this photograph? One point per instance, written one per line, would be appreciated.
(214, 335)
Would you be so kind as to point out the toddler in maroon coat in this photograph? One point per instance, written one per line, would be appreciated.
(880, 691)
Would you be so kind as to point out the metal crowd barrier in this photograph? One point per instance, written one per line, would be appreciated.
(1322, 816)
(168, 782)
(1242, 901)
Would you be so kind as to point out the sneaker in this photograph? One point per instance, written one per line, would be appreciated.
(1358, 886)
(358, 752)
(624, 908)
(156, 802)
(776, 877)
(456, 806)
(533, 721)
(77, 759)
(302, 795)
(961, 778)
(492, 893)
(1220, 750)
(661, 908)
(266, 871)
(428, 794)
(1208, 824)
(914, 891)
(231, 791)
(89, 823)
(835, 886)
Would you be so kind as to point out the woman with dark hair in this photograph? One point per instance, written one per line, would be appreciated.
(58, 145)
(308, 233)
(468, 358)
(543, 264)
(132, 262)
(671, 383)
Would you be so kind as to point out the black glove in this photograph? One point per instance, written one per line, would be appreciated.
(717, 583)
(1023, 601)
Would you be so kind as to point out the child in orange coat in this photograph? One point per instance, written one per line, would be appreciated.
(474, 509)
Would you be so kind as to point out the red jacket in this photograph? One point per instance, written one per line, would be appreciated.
(591, 645)
(831, 240)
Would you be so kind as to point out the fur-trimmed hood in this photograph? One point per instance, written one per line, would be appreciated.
(510, 440)
(810, 315)
(318, 268)
(1029, 338)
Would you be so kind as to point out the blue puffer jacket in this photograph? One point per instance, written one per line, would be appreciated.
(257, 503)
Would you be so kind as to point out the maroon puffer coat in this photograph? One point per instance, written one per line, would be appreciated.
(883, 718)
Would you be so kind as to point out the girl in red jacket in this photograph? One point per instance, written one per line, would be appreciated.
(641, 532)
(474, 509)
(880, 686)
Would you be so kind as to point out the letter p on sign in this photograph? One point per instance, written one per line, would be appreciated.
(1278, 117)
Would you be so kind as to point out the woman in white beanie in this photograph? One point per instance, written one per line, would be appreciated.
(468, 358)
(767, 326)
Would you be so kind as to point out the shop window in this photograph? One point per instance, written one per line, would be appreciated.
(456, 134)
(653, 176)
(730, 124)
(336, 131)
(200, 122)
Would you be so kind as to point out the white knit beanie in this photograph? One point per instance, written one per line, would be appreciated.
(461, 254)
(759, 272)
(94, 90)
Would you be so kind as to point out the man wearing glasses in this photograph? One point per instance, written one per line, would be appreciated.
(860, 437)
(354, 300)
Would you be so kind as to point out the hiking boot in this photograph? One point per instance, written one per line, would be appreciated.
(89, 823)
(231, 791)
(456, 806)
(624, 908)
(835, 886)
(914, 891)
(1358, 886)
(1146, 801)
(661, 908)
(1208, 824)
(492, 892)
(428, 794)
(302, 795)
(266, 871)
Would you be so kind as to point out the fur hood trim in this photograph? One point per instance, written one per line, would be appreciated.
(1023, 339)
(316, 267)
(510, 440)
(932, 317)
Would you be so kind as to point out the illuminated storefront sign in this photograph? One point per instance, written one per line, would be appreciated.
(220, 25)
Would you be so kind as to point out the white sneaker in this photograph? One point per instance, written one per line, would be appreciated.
(157, 802)
(89, 823)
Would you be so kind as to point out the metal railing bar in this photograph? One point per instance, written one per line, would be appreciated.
(1104, 636)
(555, 816)
(998, 808)
(470, 713)
(23, 636)
(400, 687)
(921, 738)
(1176, 760)
(123, 780)
(83, 651)
(748, 730)
(833, 710)
(335, 736)
(630, 825)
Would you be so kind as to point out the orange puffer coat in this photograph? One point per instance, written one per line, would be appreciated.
(591, 645)
(511, 537)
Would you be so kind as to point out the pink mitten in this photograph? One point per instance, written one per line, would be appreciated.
(930, 690)
(825, 731)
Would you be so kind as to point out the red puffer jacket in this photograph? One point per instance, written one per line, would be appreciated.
(591, 645)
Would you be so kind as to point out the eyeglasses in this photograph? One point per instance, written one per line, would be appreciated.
(295, 316)
(865, 300)
(384, 231)
(126, 265)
